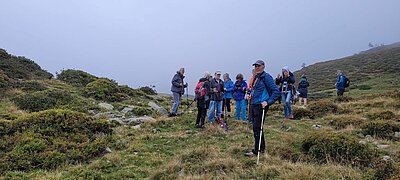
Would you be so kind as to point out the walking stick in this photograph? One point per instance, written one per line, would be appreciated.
(259, 142)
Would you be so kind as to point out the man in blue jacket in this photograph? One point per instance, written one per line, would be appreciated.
(178, 89)
(340, 83)
(264, 94)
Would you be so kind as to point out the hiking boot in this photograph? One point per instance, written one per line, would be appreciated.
(253, 153)
(291, 116)
(222, 115)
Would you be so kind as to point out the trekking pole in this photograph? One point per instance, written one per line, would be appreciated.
(259, 142)
(187, 96)
(248, 118)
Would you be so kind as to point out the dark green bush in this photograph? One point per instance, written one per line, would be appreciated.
(43, 100)
(8, 116)
(381, 129)
(321, 108)
(104, 90)
(363, 87)
(148, 90)
(381, 115)
(22, 68)
(141, 111)
(76, 78)
(48, 139)
(30, 86)
(384, 169)
(288, 152)
(324, 147)
(5, 81)
(341, 122)
(300, 113)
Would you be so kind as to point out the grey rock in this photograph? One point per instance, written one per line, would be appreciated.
(92, 112)
(360, 135)
(105, 115)
(386, 158)
(160, 110)
(119, 120)
(136, 127)
(155, 131)
(127, 110)
(106, 106)
(382, 146)
(156, 97)
(108, 150)
(317, 126)
(397, 135)
(369, 138)
(138, 120)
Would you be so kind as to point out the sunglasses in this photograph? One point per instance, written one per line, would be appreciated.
(256, 65)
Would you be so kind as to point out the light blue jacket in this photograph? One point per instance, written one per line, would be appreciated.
(230, 87)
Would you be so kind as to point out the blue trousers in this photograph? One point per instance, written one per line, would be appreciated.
(241, 108)
(214, 105)
(286, 103)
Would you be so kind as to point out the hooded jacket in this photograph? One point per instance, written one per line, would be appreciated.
(264, 89)
(177, 84)
(229, 89)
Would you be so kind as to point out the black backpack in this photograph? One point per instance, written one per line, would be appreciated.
(346, 82)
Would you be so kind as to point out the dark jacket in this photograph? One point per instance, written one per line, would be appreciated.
(219, 85)
(264, 89)
(303, 85)
(289, 81)
(240, 90)
(177, 84)
(203, 102)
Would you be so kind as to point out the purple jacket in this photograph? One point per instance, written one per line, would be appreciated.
(240, 90)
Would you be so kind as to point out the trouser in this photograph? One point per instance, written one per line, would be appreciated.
(241, 109)
(177, 102)
(201, 116)
(287, 104)
(214, 105)
(226, 102)
(340, 92)
(257, 118)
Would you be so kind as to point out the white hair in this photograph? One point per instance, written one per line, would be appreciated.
(207, 74)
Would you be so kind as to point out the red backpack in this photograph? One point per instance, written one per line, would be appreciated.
(200, 92)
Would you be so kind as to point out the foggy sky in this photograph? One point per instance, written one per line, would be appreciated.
(139, 43)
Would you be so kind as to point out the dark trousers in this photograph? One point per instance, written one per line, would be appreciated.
(340, 92)
(226, 102)
(201, 116)
(257, 118)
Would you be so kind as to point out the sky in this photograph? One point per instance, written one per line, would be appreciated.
(142, 43)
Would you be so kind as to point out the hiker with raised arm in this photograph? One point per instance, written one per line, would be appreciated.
(178, 89)
(202, 98)
(264, 94)
(286, 86)
(226, 102)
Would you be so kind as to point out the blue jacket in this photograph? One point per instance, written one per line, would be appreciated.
(340, 82)
(264, 89)
(240, 90)
(229, 89)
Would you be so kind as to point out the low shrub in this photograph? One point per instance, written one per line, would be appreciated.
(104, 90)
(300, 113)
(363, 87)
(384, 169)
(288, 152)
(321, 108)
(141, 111)
(76, 78)
(382, 129)
(5, 81)
(381, 115)
(48, 139)
(148, 90)
(341, 122)
(43, 100)
(30, 86)
(343, 99)
(324, 147)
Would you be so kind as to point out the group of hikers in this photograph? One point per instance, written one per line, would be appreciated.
(214, 94)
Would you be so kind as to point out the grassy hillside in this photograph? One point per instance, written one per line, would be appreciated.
(382, 65)
(48, 132)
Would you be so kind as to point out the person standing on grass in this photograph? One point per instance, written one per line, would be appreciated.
(264, 94)
(178, 89)
(303, 90)
(286, 84)
(340, 83)
(238, 95)
(216, 92)
(203, 100)
(228, 87)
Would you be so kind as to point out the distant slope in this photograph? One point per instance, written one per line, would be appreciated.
(17, 67)
(379, 48)
(360, 68)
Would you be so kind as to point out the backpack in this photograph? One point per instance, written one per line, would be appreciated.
(346, 82)
(200, 92)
